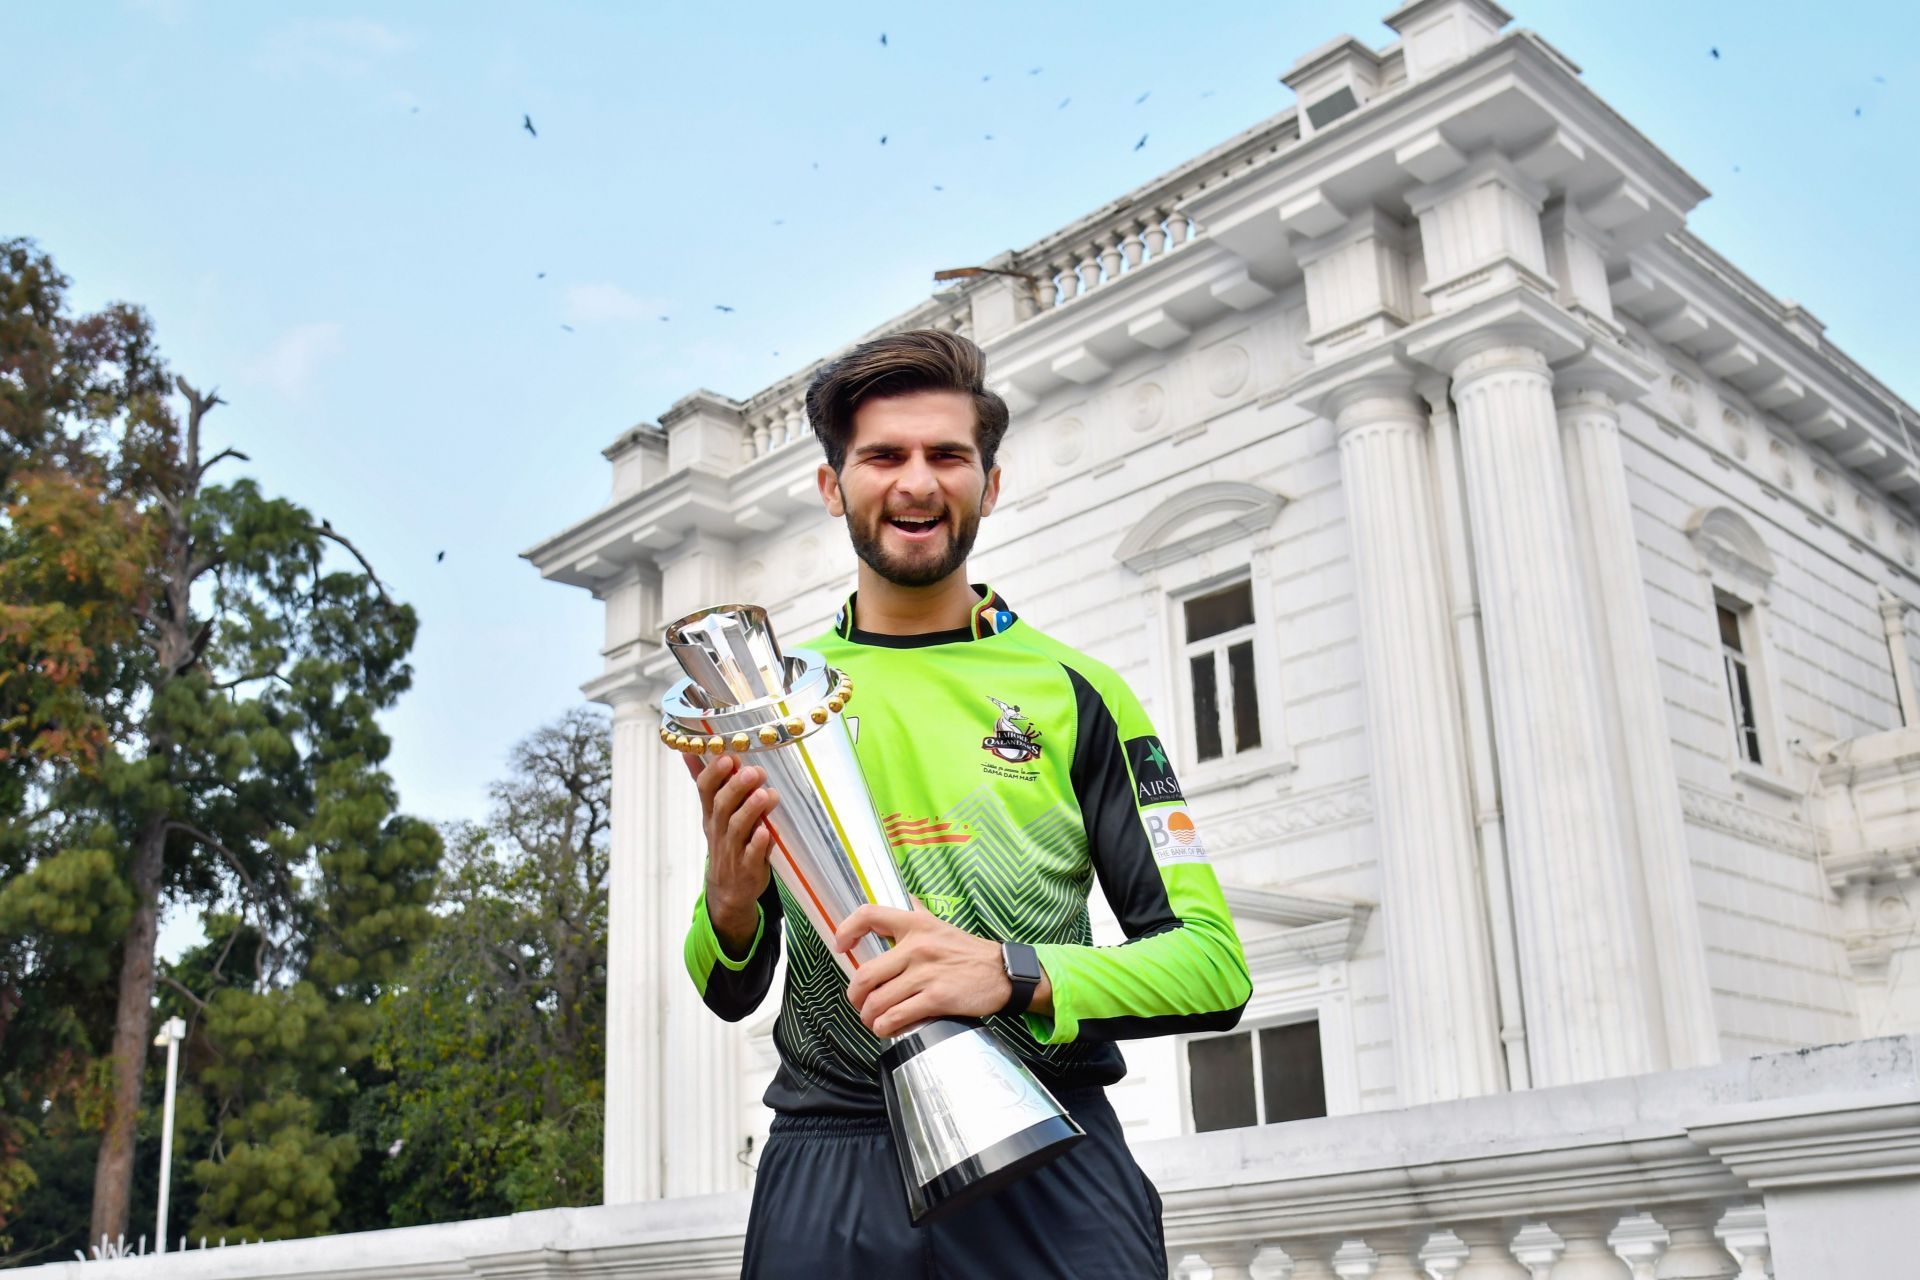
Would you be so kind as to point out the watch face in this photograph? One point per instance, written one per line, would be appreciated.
(1022, 964)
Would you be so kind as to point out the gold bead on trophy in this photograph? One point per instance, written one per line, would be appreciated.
(716, 744)
(795, 727)
(834, 703)
(819, 715)
(740, 741)
(769, 735)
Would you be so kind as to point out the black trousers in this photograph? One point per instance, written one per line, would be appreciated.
(827, 1201)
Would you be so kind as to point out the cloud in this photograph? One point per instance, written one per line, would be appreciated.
(288, 366)
(605, 303)
(346, 48)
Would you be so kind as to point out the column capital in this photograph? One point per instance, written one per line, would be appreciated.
(630, 691)
(1604, 370)
(1519, 317)
(1335, 391)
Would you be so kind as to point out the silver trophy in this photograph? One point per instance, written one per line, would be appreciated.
(968, 1117)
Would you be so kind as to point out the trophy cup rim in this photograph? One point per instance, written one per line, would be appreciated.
(672, 633)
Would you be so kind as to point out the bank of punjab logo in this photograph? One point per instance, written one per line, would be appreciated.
(1015, 738)
(1173, 836)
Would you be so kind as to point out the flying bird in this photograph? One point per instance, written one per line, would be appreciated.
(883, 139)
(1034, 71)
(416, 111)
(720, 306)
(984, 79)
(567, 327)
(526, 122)
(1143, 97)
(666, 317)
(1207, 94)
(442, 556)
(1856, 112)
(539, 275)
(779, 222)
(883, 39)
(1063, 104)
(1141, 143)
(938, 187)
(989, 137)
(1716, 54)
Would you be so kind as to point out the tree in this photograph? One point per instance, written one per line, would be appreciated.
(82, 420)
(238, 765)
(494, 1040)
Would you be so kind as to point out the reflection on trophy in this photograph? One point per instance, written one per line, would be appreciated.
(968, 1117)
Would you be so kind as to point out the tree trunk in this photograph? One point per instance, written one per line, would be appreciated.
(132, 1028)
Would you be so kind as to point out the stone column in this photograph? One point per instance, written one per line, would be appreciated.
(1446, 1037)
(635, 945)
(700, 1087)
(1673, 968)
(1586, 1019)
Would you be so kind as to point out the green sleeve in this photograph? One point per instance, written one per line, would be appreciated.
(734, 987)
(1182, 968)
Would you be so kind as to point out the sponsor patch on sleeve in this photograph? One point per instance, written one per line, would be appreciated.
(1174, 836)
(1153, 779)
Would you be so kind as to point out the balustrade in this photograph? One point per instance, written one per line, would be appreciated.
(1137, 239)
(1699, 1240)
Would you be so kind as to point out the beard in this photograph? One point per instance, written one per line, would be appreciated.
(931, 564)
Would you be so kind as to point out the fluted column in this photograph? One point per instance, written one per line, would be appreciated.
(634, 947)
(1586, 1018)
(701, 1092)
(1445, 1027)
(1673, 970)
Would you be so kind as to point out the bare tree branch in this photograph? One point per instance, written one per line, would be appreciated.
(181, 988)
(341, 538)
(204, 467)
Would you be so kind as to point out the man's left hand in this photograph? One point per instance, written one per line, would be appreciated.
(934, 969)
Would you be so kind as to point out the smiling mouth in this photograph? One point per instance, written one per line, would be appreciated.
(916, 526)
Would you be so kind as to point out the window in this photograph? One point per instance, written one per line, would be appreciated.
(1735, 625)
(1219, 668)
(1266, 1076)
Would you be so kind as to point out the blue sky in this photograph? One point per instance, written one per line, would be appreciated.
(333, 214)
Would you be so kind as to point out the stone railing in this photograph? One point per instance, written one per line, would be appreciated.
(1807, 1161)
(1129, 240)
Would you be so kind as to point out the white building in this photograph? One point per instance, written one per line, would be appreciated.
(1549, 734)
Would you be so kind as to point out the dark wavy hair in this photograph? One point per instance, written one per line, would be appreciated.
(896, 365)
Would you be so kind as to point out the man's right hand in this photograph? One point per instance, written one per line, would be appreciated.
(733, 803)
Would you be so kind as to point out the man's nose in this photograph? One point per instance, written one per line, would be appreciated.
(916, 479)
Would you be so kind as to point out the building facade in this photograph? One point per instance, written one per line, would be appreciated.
(1529, 598)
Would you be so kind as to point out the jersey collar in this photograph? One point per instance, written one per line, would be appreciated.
(990, 617)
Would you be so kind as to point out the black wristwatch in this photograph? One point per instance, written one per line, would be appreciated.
(1024, 971)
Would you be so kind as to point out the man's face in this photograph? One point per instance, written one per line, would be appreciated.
(913, 488)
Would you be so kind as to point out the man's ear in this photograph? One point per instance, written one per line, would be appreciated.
(829, 482)
(991, 494)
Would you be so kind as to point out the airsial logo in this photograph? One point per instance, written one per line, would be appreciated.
(1153, 778)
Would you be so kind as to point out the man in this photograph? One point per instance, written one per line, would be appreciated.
(1010, 772)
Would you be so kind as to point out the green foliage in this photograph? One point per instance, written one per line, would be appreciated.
(493, 1041)
(190, 676)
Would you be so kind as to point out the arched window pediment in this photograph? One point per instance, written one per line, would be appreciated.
(1197, 519)
(1727, 541)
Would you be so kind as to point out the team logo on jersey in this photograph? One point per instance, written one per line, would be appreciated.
(1153, 779)
(1015, 738)
(1173, 836)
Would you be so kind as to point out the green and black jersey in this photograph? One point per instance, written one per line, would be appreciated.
(1009, 771)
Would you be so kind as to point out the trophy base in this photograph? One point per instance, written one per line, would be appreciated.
(977, 1121)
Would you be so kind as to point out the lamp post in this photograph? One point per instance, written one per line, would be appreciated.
(170, 1035)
